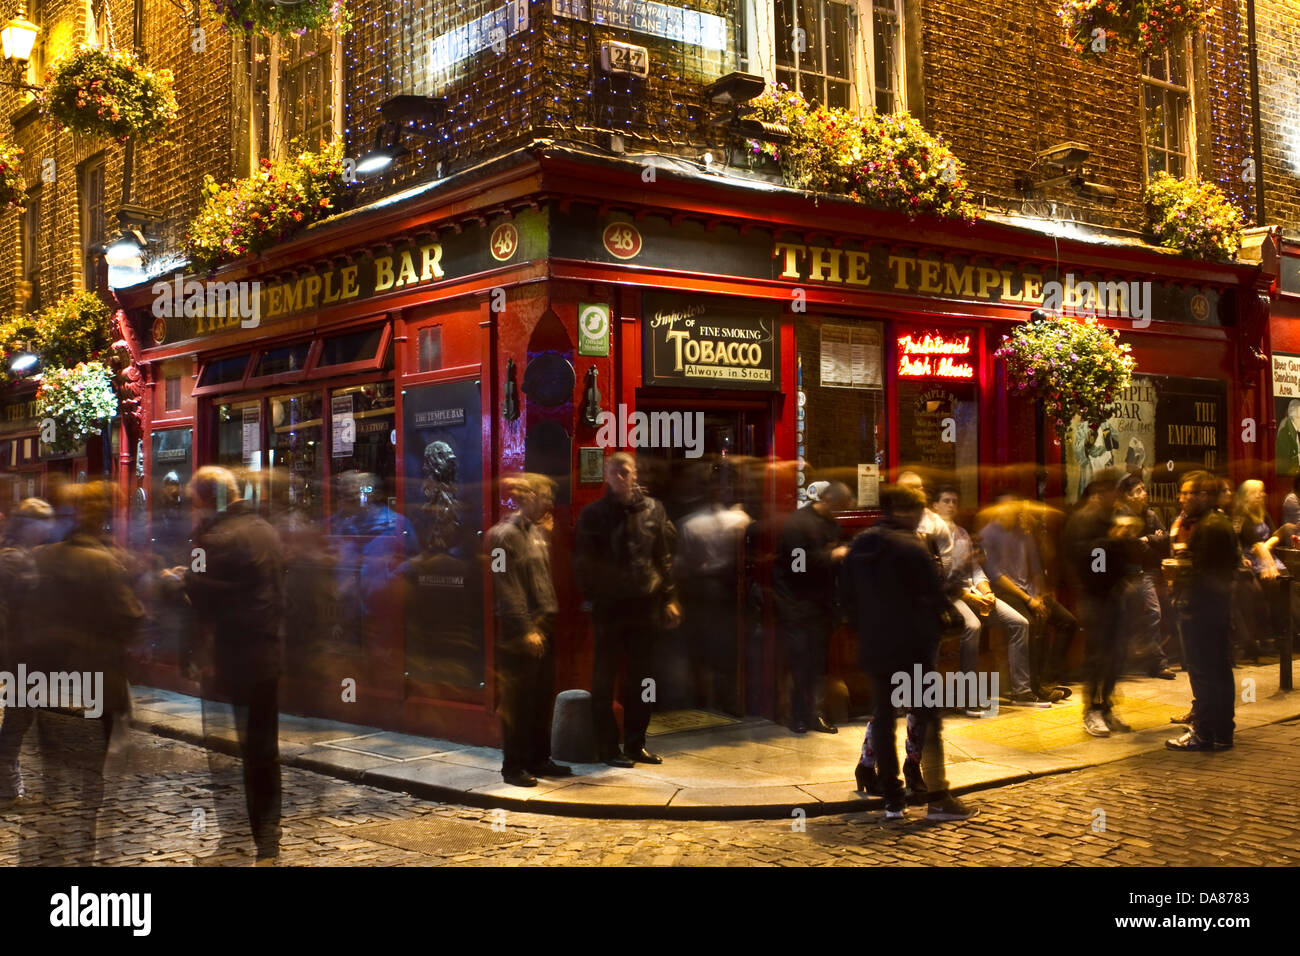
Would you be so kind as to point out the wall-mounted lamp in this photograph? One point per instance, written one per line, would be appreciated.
(735, 90)
(397, 113)
(591, 400)
(17, 39)
(510, 403)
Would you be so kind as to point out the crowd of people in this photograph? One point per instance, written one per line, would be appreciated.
(1204, 590)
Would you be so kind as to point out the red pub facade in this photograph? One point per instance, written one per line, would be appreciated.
(404, 357)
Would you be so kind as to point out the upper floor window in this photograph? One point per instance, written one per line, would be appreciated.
(1167, 112)
(91, 187)
(31, 250)
(841, 54)
(294, 94)
(97, 23)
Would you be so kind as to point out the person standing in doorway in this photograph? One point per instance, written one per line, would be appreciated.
(623, 559)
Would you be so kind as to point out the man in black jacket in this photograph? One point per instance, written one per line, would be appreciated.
(236, 585)
(519, 553)
(623, 558)
(1207, 634)
(894, 594)
(803, 584)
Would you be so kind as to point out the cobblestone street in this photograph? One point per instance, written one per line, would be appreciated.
(1235, 808)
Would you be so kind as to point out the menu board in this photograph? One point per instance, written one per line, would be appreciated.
(850, 356)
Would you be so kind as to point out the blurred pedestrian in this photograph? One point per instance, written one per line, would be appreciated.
(1215, 557)
(623, 560)
(1142, 618)
(236, 585)
(1101, 554)
(803, 586)
(520, 558)
(894, 594)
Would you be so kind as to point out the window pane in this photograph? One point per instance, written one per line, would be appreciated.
(837, 94)
(786, 77)
(810, 22)
(238, 427)
(296, 454)
(430, 347)
(1177, 60)
(837, 40)
(885, 45)
(172, 393)
(223, 371)
(353, 347)
(784, 14)
(291, 358)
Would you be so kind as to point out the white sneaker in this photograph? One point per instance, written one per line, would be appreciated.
(1094, 722)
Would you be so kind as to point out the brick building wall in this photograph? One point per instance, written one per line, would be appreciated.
(1277, 30)
(167, 175)
(997, 84)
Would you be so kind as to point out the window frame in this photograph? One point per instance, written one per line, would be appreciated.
(29, 226)
(97, 163)
(1189, 132)
(268, 99)
(761, 37)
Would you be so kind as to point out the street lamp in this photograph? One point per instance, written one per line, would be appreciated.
(397, 112)
(18, 37)
(23, 362)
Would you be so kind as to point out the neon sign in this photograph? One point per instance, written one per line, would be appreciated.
(935, 356)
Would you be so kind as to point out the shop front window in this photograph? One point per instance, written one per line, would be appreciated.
(238, 428)
(840, 434)
(938, 408)
(295, 455)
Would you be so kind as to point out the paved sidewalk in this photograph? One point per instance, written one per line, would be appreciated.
(747, 769)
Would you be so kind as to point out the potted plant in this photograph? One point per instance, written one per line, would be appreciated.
(79, 400)
(1193, 217)
(13, 190)
(109, 93)
(283, 17)
(1074, 366)
(248, 215)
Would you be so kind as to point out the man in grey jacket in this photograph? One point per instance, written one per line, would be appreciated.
(519, 556)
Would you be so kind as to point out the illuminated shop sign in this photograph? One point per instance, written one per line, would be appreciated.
(935, 356)
(691, 27)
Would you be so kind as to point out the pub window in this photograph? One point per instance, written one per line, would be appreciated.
(223, 372)
(91, 187)
(172, 393)
(841, 431)
(353, 347)
(31, 249)
(430, 349)
(938, 407)
(97, 23)
(281, 361)
(1167, 111)
(848, 55)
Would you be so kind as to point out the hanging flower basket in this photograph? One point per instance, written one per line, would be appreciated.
(77, 328)
(1159, 22)
(1082, 18)
(245, 216)
(1075, 366)
(79, 400)
(108, 93)
(887, 162)
(1193, 217)
(13, 190)
(283, 17)
(1147, 26)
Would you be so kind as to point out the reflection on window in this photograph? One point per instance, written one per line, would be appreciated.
(238, 428)
(1167, 110)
